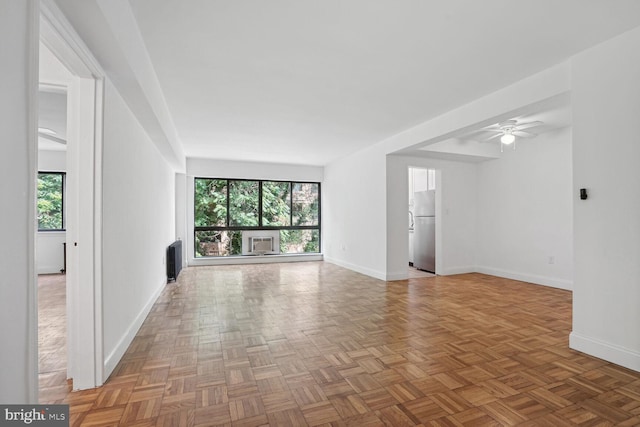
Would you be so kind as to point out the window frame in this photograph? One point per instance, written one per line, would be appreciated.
(63, 191)
(260, 225)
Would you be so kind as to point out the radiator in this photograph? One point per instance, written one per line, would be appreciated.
(174, 260)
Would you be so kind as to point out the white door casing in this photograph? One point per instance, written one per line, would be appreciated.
(83, 198)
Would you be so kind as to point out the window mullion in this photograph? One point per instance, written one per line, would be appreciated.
(228, 203)
(259, 203)
(291, 203)
(62, 190)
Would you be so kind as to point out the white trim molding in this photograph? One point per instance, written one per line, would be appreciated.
(380, 275)
(604, 350)
(61, 38)
(529, 278)
(398, 275)
(450, 271)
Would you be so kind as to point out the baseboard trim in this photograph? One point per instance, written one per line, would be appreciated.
(458, 270)
(606, 351)
(530, 278)
(50, 269)
(399, 275)
(447, 272)
(114, 357)
(359, 269)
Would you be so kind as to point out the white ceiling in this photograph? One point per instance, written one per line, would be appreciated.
(306, 82)
(475, 146)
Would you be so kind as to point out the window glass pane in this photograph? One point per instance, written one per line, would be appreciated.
(218, 243)
(243, 203)
(50, 203)
(276, 209)
(305, 204)
(299, 241)
(207, 243)
(210, 202)
(233, 245)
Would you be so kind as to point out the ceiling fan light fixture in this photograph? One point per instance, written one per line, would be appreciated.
(507, 138)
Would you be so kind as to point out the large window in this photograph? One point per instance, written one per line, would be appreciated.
(226, 208)
(51, 201)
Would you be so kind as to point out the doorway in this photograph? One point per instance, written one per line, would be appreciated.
(74, 72)
(51, 236)
(422, 222)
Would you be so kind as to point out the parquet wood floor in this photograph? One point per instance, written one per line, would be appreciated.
(314, 344)
(52, 337)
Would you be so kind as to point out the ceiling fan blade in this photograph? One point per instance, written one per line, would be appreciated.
(52, 138)
(497, 135)
(481, 134)
(528, 125)
(523, 134)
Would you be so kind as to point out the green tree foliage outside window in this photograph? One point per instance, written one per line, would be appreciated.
(299, 241)
(276, 209)
(243, 203)
(50, 201)
(305, 204)
(211, 202)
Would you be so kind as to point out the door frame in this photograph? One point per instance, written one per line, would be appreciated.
(439, 211)
(85, 95)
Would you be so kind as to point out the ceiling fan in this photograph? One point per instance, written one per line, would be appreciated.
(508, 130)
(49, 134)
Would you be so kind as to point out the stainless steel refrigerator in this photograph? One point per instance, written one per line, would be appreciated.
(424, 230)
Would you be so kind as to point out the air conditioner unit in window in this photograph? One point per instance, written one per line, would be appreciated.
(261, 245)
(260, 242)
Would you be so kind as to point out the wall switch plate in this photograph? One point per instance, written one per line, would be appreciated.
(583, 194)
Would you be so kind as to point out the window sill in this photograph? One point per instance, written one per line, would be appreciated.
(255, 259)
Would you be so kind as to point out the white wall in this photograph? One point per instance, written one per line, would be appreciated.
(51, 70)
(606, 152)
(354, 212)
(209, 168)
(456, 198)
(525, 212)
(139, 224)
(49, 244)
(18, 85)
(50, 252)
(181, 214)
(52, 161)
